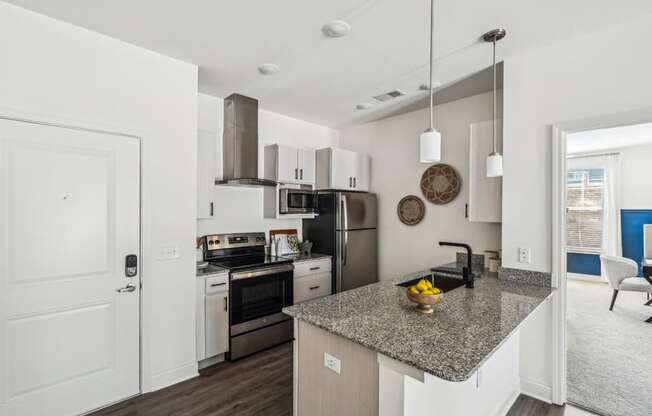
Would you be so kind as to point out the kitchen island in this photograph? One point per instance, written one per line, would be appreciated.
(368, 351)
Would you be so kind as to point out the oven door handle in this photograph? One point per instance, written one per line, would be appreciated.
(262, 272)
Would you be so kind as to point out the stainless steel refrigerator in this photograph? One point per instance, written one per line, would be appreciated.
(346, 229)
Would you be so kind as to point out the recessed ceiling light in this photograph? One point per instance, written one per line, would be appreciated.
(364, 106)
(336, 29)
(268, 69)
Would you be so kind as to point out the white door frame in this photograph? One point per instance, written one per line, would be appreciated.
(11, 114)
(559, 133)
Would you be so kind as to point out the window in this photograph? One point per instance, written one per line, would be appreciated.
(584, 202)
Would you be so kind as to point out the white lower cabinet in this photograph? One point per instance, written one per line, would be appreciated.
(312, 287)
(212, 317)
(312, 279)
(217, 323)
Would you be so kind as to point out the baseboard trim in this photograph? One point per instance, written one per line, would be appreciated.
(174, 376)
(536, 391)
(504, 409)
(585, 277)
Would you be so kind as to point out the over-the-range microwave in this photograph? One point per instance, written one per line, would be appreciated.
(297, 201)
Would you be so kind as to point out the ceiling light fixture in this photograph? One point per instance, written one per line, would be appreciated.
(430, 140)
(495, 159)
(268, 69)
(336, 29)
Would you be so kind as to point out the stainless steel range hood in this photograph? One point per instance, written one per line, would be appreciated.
(240, 143)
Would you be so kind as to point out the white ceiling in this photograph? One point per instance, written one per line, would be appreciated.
(322, 79)
(592, 141)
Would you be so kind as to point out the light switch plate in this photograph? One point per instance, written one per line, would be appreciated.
(332, 363)
(524, 255)
(169, 253)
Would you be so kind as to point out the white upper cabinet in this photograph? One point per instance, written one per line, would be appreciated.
(306, 162)
(485, 194)
(206, 173)
(342, 170)
(288, 164)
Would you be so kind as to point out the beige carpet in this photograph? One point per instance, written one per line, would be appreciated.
(609, 353)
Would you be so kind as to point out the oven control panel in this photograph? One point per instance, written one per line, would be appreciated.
(224, 241)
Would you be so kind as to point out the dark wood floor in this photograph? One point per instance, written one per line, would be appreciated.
(258, 385)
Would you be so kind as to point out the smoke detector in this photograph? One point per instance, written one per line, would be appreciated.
(268, 69)
(336, 29)
(389, 95)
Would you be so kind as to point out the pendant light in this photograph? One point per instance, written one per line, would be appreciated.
(495, 159)
(430, 140)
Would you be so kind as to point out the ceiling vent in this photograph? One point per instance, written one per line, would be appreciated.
(389, 95)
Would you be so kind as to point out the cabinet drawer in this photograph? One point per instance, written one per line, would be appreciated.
(312, 287)
(305, 268)
(217, 283)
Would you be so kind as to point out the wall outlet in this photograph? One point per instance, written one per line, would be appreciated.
(168, 253)
(332, 363)
(524, 255)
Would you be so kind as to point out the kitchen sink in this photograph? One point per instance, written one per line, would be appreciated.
(445, 283)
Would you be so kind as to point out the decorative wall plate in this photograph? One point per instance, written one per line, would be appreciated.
(411, 210)
(440, 184)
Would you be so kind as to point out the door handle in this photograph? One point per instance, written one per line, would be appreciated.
(226, 304)
(129, 288)
(212, 209)
(314, 287)
(355, 182)
(315, 268)
(296, 173)
(301, 173)
(350, 182)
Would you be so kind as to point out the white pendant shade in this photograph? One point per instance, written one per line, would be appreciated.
(430, 146)
(494, 165)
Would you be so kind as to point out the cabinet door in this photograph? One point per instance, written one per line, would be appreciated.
(361, 180)
(485, 194)
(312, 287)
(217, 323)
(206, 172)
(343, 168)
(287, 168)
(306, 158)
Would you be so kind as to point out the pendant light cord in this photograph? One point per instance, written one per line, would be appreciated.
(432, 30)
(494, 98)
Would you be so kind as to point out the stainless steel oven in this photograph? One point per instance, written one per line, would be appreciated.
(297, 201)
(258, 297)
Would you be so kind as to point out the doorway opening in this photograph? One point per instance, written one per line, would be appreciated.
(604, 225)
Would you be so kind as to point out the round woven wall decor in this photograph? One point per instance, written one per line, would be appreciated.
(411, 210)
(440, 184)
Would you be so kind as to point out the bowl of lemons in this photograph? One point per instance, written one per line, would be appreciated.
(425, 295)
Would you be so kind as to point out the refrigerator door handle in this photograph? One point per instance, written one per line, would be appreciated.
(345, 247)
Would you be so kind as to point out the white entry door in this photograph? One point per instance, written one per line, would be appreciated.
(69, 215)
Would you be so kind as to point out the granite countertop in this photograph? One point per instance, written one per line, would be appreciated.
(304, 257)
(452, 343)
(209, 270)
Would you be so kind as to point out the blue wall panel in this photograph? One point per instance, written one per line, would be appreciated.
(632, 221)
(583, 263)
